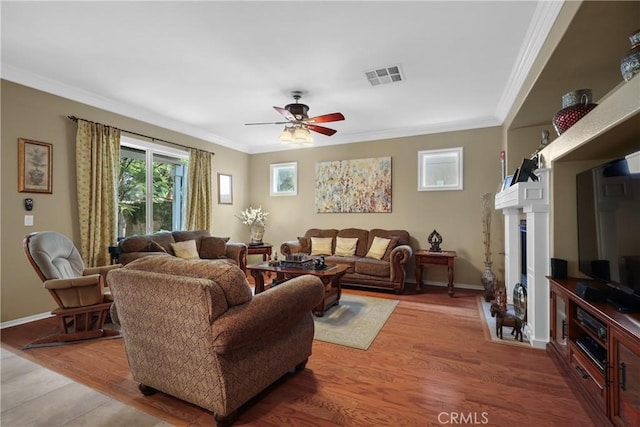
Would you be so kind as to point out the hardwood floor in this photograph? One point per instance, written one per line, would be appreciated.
(430, 365)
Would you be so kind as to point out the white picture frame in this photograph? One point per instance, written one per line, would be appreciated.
(440, 170)
(284, 179)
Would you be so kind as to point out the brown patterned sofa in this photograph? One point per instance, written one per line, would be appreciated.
(193, 329)
(389, 272)
(208, 247)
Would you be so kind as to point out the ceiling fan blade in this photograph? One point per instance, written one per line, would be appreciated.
(321, 129)
(285, 113)
(333, 117)
(268, 123)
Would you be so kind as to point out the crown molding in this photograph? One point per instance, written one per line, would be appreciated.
(57, 88)
(543, 19)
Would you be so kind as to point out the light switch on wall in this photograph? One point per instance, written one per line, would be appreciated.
(28, 220)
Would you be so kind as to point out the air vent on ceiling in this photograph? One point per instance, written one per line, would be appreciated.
(384, 75)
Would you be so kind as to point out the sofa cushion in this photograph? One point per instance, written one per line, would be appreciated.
(361, 235)
(317, 232)
(197, 235)
(321, 245)
(185, 250)
(378, 248)
(347, 260)
(373, 267)
(154, 247)
(213, 247)
(402, 235)
(143, 243)
(227, 275)
(164, 239)
(305, 244)
(392, 244)
(346, 246)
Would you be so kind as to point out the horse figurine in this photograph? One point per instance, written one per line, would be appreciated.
(505, 319)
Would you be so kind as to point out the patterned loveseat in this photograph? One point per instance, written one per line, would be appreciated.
(387, 270)
(192, 329)
(207, 246)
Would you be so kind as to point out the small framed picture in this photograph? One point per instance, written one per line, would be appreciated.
(34, 166)
(507, 182)
(284, 179)
(225, 189)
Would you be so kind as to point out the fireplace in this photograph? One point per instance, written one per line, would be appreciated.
(520, 288)
(523, 252)
(527, 255)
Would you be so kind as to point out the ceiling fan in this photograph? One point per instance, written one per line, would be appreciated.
(296, 115)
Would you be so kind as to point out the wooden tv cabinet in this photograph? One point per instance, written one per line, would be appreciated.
(608, 380)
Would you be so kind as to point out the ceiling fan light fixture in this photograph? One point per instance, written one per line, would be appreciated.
(302, 136)
(286, 137)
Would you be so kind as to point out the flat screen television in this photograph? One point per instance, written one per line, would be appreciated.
(608, 210)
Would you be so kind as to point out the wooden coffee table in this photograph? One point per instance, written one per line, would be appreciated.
(330, 277)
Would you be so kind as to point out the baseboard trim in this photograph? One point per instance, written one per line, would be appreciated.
(24, 320)
(455, 285)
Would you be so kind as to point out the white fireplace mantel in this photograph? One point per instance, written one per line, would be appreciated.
(531, 199)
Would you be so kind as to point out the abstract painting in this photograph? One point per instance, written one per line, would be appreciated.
(354, 186)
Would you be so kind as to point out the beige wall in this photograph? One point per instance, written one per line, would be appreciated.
(455, 214)
(32, 114)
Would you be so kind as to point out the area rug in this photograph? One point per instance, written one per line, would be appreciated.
(355, 322)
(489, 326)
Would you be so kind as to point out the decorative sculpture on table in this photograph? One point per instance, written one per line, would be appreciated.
(434, 240)
(255, 219)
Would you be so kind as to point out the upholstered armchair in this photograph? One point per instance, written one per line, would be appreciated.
(82, 298)
(193, 330)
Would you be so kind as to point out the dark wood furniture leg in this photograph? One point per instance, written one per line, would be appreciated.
(259, 281)
(332, 293)
(450, 290)
(418, 277)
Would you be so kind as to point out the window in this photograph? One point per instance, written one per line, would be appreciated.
(151, 187)
(440, 170)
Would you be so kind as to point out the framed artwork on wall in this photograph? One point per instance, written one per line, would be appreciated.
(34, 166)
(440, 170)
(354, 186)
(225, 189)
(284, 179)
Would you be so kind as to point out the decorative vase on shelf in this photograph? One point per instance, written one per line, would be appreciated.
(630, 63)
(256, 231)
(575, 105)
(488, 279)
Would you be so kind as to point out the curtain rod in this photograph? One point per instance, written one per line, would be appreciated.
(75, 119)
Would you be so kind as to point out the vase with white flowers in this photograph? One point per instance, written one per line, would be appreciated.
(255, 218)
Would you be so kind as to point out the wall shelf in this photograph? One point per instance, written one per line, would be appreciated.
(610, 130)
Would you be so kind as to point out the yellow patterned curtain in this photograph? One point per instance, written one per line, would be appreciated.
(97, 168)
(199, 200)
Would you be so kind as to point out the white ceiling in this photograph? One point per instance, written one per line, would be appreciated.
(205, 68)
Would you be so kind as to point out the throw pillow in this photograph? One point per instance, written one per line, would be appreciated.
(213, 247)
(305, 245)
(154, 246)
(185, 250)
(392, 245)
(321, 245)
(378, 247)
(346, 246)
